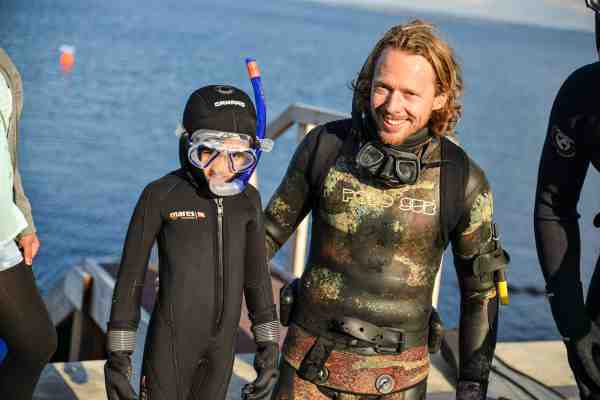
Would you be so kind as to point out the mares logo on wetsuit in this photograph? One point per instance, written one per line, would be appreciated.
(175, 215)
(564, 145)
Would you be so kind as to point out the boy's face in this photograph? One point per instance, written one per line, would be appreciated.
(218, 171)
(223, 168)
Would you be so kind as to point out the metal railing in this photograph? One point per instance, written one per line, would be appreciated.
(87, 289)
(306, 118)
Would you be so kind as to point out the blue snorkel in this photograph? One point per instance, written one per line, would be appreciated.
(261, 113)
(3, 350)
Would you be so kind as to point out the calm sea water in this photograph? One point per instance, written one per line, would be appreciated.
(92, 139)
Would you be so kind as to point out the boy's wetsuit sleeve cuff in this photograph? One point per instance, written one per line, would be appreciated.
(266, 332)
(263, 316)
(121, 340)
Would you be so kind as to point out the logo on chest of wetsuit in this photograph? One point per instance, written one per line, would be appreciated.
(383, 200)
(188, 214)
(564, 145)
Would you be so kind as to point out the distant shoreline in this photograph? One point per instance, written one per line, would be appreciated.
(567, 14)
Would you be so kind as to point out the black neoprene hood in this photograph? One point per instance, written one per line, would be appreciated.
(221, 108)
(216, 107)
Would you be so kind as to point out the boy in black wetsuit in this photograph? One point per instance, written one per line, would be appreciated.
(210, 235)
(572, 143)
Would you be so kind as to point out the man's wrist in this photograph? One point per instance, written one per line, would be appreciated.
(25, 232)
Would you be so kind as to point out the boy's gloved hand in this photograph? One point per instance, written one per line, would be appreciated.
(265, 364)
(436, 332)
(468, 390)
(117, 372)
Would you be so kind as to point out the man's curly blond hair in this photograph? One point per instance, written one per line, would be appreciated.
(419, 38)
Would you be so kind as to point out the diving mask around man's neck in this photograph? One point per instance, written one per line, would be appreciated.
(392, 165)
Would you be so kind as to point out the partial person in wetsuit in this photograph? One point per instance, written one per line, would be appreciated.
(209, 229)
(572, 143)
(25, 325)
(360, 314)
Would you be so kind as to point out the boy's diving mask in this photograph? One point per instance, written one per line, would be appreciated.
(237, 150)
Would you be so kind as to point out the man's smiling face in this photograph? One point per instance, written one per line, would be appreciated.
(403, 95)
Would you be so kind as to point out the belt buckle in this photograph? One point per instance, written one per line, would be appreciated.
(399, 348)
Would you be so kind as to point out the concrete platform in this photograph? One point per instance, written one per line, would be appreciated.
(544, 361)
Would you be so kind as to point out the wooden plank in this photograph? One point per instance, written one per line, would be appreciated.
(58, 305)
(441, 376)
(102, 294)
(101, 303)
(74, 286)
(520, 362)
(85, 380)
(104, 283)
(554, 373)
(72, 381)
(78, 329)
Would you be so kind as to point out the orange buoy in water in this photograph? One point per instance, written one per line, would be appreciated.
(67, 57)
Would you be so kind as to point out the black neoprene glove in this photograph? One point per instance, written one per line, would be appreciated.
(584, 358)
(467, 390)
(580, 333)
(265, 364)
(436, 332)
(117, 372)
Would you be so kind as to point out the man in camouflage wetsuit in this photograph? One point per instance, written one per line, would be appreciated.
(359, 324)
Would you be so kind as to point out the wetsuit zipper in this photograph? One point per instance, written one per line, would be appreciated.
(220, 282)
